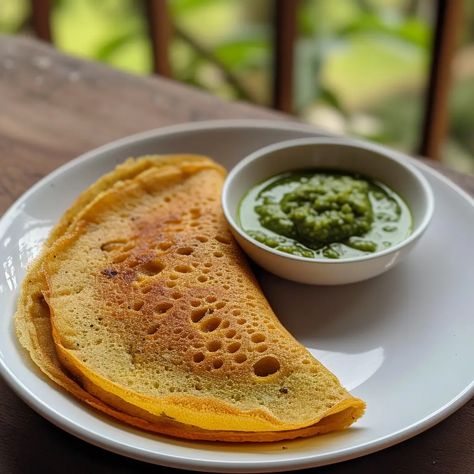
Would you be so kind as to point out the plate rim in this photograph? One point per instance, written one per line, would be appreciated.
(165, 459)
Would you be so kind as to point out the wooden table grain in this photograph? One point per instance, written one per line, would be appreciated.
(53, 108)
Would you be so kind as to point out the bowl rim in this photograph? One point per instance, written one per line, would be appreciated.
(386, 153)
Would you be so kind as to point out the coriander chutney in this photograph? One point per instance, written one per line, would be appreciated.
(324, 214)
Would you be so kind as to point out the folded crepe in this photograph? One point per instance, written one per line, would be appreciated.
(142, 306)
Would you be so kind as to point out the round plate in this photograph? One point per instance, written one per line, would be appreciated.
(401, 341)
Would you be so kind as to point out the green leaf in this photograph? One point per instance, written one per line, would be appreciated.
(110, 47)
(411, 30)
(186, 6)
(241, 53)
(331, 98)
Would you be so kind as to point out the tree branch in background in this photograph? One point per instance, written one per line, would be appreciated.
(209, 56)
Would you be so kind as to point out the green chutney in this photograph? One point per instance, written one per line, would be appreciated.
(324, 214)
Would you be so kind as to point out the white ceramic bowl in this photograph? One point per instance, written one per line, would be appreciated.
(368, 159)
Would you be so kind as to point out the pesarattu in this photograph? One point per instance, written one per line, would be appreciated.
(142, 306)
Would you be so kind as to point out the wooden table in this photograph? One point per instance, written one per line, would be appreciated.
(53, 108)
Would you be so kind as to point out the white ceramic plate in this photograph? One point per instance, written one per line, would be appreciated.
(403, 341)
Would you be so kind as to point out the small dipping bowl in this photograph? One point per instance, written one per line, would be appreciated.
(352, 156)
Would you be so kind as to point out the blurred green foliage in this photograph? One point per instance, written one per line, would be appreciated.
(112, 31)
(13, 15)
(361, 65)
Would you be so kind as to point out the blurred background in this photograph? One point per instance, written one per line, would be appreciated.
(359, 67)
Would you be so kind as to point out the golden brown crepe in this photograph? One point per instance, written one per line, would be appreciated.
(143, 306)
